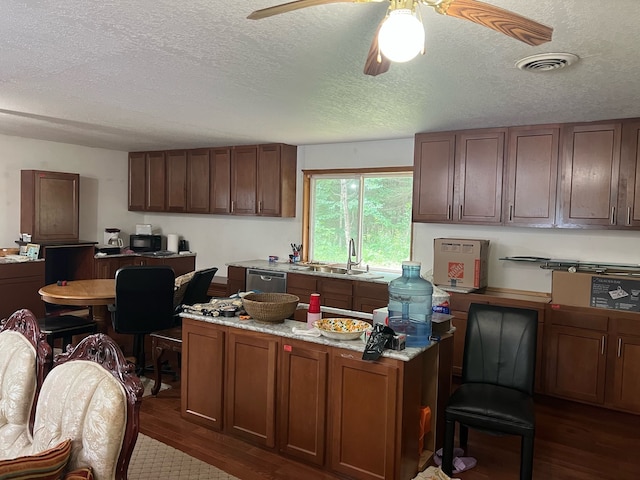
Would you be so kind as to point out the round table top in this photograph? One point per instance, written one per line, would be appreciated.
(81, 292)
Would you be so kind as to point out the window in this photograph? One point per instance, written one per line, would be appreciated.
(373, 207)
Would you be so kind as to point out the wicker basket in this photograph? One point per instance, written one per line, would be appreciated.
(270, 307)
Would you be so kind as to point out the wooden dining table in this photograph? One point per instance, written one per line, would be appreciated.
(95, 294)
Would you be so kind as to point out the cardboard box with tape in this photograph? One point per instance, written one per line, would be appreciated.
(579, 289)
(460, 264)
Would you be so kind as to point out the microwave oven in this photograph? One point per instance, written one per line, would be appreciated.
(145, 243)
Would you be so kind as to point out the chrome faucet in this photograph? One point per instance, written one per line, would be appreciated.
(352, 253)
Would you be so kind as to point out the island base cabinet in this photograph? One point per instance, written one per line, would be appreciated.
(202, 373)
(302, 406)
(363, 408)
(251, 386)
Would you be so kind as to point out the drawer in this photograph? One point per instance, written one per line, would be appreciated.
(580, 318)
(299, 282)
(461, 301)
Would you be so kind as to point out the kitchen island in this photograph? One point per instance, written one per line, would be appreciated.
(313, 398)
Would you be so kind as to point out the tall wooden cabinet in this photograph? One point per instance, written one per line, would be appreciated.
(629, 191)
(244, 178)
(458, 176)
(220, 181)
(176, 177)
(147, 181)
(49, 205)
(198, 180)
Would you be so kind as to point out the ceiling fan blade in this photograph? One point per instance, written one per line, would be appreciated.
(372, 66)
(298, 4)
(504, 21)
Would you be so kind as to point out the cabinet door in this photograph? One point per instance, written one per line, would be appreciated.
(202, 384)
(433, 174)
(198, 175)
(180, 264)
(251, 386)
(302, 286)
(269, 174)
(629, 194)
(49, 208)
(363, 409)
(220, 191)
(531, 176)
(19, 283)
(176, 164)
(303, 400)
(576, 362)
(106, 267)
(137, 181)
(244, 180)
(155, 182)
(590, 169)
(336, 293)
(236, 280)
(367, 296)
(625, 359)
(478, 178)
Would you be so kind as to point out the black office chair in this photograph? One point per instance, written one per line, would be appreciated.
(196, 291)
(144, 304)
(498, 371)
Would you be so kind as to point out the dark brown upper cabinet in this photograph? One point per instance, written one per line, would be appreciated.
(531, 174)
(242, 180)
(458, 177)
(590, 174)
(629, 189)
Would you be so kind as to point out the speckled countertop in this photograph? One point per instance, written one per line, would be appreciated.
(376, 277)
(285, 329)
(143, 254)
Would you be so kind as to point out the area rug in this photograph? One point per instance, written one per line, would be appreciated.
(153, 460)
(148, 383)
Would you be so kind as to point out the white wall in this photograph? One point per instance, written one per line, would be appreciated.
(220, 239)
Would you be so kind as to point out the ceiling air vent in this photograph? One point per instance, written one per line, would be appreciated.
(544, 62)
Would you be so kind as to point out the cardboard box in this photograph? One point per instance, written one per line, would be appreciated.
(613, 292)
(460, 263)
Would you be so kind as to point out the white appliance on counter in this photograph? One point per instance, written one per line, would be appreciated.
(143, 229)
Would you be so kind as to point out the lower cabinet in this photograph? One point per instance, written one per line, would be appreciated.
(20, 283)
(320, 404)
(250, 399)
(363, 404)
(106, 267)
(625, 364)
(303, 381)
(202, 373)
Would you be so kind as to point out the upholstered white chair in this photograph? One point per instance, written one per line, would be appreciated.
(92, 397)
(24, 356)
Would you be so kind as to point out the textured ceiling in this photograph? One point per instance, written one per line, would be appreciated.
(158, 74)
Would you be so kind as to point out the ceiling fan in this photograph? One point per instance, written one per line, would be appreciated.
(503, 21)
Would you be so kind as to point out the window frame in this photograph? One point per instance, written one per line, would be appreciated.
(306, 197)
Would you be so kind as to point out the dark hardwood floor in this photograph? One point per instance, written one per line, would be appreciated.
(573, 441)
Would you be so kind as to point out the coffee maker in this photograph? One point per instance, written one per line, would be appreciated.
(112, 237)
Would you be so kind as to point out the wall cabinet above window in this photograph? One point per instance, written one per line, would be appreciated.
(245, 180)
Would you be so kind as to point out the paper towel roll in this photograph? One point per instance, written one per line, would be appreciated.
(172, 242)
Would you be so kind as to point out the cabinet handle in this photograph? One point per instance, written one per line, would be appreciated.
(619, 347)
(511, 213)
(460, 213)
(260, 206)
(612, 220)
(346, 355)
(449, 212)
(232, 205)
(604, 339)
(628, 215)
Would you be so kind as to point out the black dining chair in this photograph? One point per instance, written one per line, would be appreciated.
(498, 372)
(144, 304)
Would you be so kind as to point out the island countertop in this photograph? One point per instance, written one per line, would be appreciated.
(286, 329)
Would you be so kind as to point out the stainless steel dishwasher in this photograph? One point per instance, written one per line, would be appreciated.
(266, 281)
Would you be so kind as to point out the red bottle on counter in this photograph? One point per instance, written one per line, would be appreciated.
(314, 313)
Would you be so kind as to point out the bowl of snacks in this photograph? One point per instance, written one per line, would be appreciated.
(342, 328)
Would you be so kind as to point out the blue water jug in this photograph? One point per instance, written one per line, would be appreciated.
(410, 305)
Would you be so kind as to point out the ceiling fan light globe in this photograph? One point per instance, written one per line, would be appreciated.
(401, 36)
